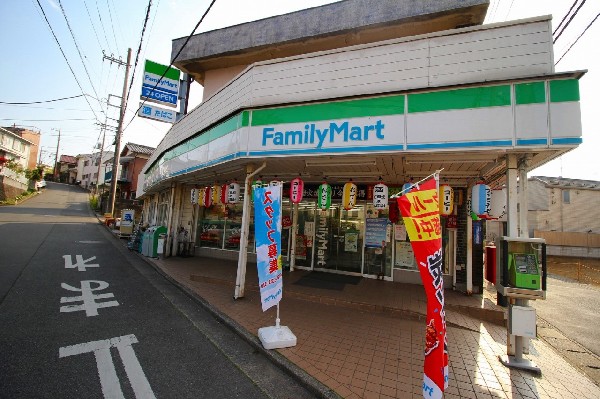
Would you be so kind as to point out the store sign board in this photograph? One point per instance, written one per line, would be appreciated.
(163, 91)
(329, 134)
(158, 114)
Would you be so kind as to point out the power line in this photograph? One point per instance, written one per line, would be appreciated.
(568, 22)
(79, 52)
(137, 55)
(112, 26)
(579, 37)
(43, 101)
(47, 120)
(174, 59)
(92, 22)
(565, 17)
(102, 25)
(65, 57)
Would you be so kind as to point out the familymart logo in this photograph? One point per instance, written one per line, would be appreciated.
(322, 134)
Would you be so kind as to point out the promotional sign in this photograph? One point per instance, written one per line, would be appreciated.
(224, 190)
(167, 90)
(296, 190)
(380, 196)
(446, 200)
(127, 218)
(375, 232)
(481, 198)
(233, 193)
(421, 213)
(194, 196)
(349, 196)
(158, 114)
(267, 230)
(324, 196)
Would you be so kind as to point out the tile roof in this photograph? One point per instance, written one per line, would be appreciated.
(568, 183)
(138, 148)
(68, 159)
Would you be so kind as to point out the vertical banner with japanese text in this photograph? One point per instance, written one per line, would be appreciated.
(267, 225)
(421, 213)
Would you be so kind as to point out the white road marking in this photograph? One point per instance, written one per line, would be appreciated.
(109, 381)
(81, 263)
(89, 299)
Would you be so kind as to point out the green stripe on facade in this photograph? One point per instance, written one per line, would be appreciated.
(391, 105)
(477, 97)
(159, 69)
(530, 93)
(222, 129)
(564, 90)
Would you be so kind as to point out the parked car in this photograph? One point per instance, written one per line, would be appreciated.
(40, 184)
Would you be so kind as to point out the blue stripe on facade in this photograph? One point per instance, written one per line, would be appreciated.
(567, 140)
(532, 141)
(300, 151)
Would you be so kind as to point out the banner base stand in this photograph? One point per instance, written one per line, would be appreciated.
(523, 364)
(275, 337)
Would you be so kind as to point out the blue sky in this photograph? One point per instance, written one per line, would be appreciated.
(33, 68)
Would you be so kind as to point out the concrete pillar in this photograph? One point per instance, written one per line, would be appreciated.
(240, 280)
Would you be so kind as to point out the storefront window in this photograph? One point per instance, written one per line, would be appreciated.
(405, 257)
(306, 233)
(339, 239)
(378, 261)
(211, 227)
(233, 226)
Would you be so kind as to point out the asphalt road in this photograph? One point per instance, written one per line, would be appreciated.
(80, 316)
(572, 308)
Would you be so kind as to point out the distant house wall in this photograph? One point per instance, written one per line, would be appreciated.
(567, 217)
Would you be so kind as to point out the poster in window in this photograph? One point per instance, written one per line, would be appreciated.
(351, 241)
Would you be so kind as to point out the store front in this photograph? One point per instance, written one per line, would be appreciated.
(361, 241)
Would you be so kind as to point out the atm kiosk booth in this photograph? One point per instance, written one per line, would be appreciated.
(522, 263)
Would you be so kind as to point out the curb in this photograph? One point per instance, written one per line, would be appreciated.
(309, 382)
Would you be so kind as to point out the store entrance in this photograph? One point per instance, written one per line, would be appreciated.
(338, 239)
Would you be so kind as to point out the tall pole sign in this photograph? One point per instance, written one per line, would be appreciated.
(161, 91)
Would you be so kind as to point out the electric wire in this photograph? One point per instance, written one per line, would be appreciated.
(79, 52)
(568, 22)
(137, 55)
(42, 101)
(103, 29)
(565, 17)
(92, 23)
(576, 40)
(112, 26)
(72, 72)
(509, 8)
(174, 59)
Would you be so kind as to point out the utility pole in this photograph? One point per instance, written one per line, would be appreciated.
(56, 172)
(113, 182)
(101, 152)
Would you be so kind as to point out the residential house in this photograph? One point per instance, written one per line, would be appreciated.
(67, 169)
(88, 166)
(33, 138)
(15, 148)
(565, 212)
(133, 159)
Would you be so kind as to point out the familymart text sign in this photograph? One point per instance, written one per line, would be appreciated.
(163, 92)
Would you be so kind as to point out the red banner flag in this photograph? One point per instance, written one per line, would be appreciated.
(421, 213)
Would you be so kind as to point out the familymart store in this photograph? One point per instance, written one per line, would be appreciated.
(478, 132)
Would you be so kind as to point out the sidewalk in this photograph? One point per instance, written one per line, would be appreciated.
(364, 338)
